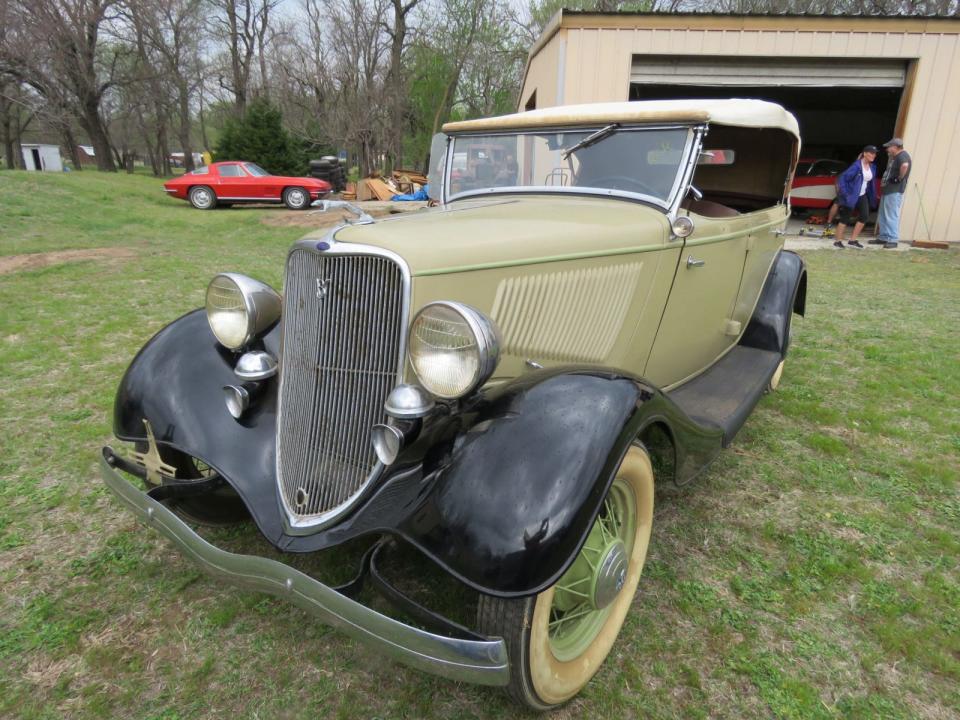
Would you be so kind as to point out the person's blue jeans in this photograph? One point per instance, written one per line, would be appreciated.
(888, 219)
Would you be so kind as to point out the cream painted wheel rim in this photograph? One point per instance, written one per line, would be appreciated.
(775, 380)
(554, 680)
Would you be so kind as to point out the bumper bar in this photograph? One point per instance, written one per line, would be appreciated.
(477, 661)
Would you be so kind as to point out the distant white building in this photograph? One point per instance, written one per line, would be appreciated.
(41, 157)
(177, 158)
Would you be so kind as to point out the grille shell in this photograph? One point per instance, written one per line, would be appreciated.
(344, 319)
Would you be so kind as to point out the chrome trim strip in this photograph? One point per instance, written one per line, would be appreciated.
(483, 662)
(694, 145)
(253, 199)
(293, 526)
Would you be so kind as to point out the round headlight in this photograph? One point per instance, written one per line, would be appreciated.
(453, 348)
(239, 308)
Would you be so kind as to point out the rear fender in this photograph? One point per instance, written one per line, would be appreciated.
(784, 293)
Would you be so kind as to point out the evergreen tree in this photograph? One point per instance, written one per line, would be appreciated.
(259, 137)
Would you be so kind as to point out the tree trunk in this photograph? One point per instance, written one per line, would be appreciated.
(72, 150)
(92, 123)
(185, 145)
(7, 134)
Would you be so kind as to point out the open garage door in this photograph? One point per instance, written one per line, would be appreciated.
(841, 104)
(768, 72)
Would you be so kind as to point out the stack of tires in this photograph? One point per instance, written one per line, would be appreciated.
(330, 169)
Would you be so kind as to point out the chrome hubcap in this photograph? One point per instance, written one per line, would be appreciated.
(201, 197)
(610, 576)
(297, 197)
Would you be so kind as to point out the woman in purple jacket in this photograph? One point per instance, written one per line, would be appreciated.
(856, 190)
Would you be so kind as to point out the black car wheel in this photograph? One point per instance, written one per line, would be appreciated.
(558, 639)
(202, 198)
(296, 198)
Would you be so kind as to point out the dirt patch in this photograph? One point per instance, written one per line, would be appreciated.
(33, 261)
(319, 219)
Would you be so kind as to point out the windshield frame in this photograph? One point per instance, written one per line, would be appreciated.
(247, 165)
(668, 204)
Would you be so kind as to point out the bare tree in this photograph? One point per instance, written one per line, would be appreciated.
(242, 25)
(55, 47)
(395, 83)
(168, 34)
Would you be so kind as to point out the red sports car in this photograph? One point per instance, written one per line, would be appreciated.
(814, 183)
(226, 183)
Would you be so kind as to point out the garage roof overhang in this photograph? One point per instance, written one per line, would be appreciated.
(563, 19)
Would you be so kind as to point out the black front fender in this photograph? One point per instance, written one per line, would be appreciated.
(176, 382)
(500, 491)
(514, 500)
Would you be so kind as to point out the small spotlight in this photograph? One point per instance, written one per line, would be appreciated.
(238, 400)
(387, 443)
(408, 402)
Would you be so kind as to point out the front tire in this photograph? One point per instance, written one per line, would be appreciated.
(558, 639)
(296, 198)
(203, 198)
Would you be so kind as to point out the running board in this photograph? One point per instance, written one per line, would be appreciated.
(724, 396)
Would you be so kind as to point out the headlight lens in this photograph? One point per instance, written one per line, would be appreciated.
(453, 348)
(239, 308)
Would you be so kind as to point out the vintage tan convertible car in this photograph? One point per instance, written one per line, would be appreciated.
(487, 384)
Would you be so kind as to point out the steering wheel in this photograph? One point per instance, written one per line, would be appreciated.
(617, 182)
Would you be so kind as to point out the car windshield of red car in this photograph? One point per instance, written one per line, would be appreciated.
(255, 170)
(201, 171)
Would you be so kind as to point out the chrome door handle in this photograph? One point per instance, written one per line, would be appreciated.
(692, 262)
(779, 232)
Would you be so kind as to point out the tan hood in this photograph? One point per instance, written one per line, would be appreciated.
(506, 231)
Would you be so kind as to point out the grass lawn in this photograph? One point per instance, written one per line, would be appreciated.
(811, 573)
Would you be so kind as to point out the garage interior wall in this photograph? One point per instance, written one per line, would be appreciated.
(590, 57)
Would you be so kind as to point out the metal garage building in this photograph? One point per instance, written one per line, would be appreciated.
(849, 80)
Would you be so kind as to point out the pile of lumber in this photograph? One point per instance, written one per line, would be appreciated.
(378, 187)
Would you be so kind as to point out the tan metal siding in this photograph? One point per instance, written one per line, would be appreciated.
(599, 50)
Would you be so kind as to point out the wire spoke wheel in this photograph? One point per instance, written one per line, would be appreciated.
(558, 639)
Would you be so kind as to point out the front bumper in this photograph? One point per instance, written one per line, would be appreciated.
(477, 661)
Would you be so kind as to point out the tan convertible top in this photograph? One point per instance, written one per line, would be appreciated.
(736, 112)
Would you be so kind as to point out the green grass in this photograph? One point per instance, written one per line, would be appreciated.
(811, 573)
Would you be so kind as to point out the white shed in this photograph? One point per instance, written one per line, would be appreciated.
(40, 156)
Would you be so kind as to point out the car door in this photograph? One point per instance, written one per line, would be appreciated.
(231, 185)
(698, 323)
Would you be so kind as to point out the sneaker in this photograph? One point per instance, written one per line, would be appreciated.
(854, 243)
(890, 246)
(838, 244)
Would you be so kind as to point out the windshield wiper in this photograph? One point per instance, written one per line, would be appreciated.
(591, 139)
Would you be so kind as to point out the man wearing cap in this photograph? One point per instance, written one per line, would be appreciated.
(892, 188)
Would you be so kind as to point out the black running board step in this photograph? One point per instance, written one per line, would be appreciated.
(725, 395)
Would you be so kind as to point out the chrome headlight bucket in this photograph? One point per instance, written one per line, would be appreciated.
(453, 348)
(240, 308)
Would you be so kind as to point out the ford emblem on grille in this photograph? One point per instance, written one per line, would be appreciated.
(322, 288)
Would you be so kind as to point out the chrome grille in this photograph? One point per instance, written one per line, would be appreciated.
(342, 340)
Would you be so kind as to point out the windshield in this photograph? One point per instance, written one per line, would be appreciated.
(636, 162)
(255, 170)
